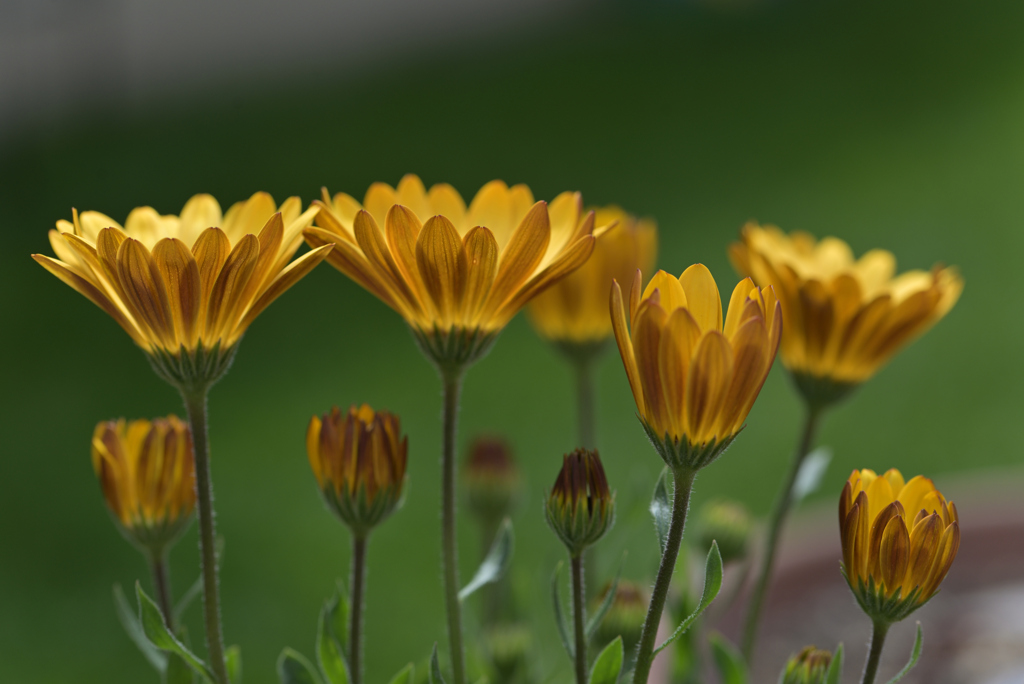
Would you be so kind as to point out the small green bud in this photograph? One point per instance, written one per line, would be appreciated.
(491, 479)
(580, 508)
(625, 617)
(728, 523)
(809, 666)
(508, 646)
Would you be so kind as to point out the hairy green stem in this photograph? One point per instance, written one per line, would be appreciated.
(878, 633)
(778, 518)
(578, 616)
(195, 404)
(355, 632)
(683, 485)
(452, 379)
(162, 585)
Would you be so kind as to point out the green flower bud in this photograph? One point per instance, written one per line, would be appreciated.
(809, 666)
(580, 508)
(728, 523)
(508, 646)
(491, 479)
(625, 617)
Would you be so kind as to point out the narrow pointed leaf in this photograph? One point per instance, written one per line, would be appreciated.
(495, 563)
(712, 585)
(728, 660)
(404, 676)
(178, 671)
(329, 652)
(187, 598)
(293, 668)
(156, 631)
(661, 508)
(563, 626)
(606, 604)
(340, 610)
(434, 675)
(130, 621)
(835, 668)
(233, 660)
(811, 472)
(608, 664)
(914, 655)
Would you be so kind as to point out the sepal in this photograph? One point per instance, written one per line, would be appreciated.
(455, 348)
(679, 453)
(192, 370)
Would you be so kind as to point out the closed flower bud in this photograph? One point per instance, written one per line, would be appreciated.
(728, 523)
(899, 540)
(359, 460)
(147, 475)
(625, 617)
(809, 666)
(508, 646)
(491, 479)
(580, 508)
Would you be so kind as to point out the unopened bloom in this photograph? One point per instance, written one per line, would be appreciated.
(186, 287)
(491, 479)
(625, 616)
(574, 311)
(694, 376)
(580, 507)
(147, 475)
(845, 318)
(729, 524)
(456, 274)
(359, 459)
(809, 666)
(899, 540)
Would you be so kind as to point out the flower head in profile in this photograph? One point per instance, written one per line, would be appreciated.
(899, 540)
(359, 459)
(147, 475)
(694, 375)
(809, 666)
(185, 287)
(845, 318)
(456, 273)
(491, 478)
(574, 311)
(580, 507)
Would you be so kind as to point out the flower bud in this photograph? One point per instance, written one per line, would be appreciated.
(809, 666)
(728, 523)
(491, 479)
(508, 646)
(625, 617)
(359, 460)
(580, 508)
(147, 475)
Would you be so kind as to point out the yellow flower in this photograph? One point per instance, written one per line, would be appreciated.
(695, 377)
(575, 309)
(899, 540)
(148, 477)
(845, 318)
(184, 286)
(457, 275)
(359, 460)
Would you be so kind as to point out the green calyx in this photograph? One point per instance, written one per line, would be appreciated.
(455, 348)
(360, 511)
(822, 392)
(581, 525)
(153, 538)
(679, 453)
(195, 370)
(882, 606)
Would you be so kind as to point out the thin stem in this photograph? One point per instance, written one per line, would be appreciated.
(578, 614)
(452, 380)
(162, 584)
(878, 634)
(585, 400)
(195, 404)
(775, 524)
(680, 504)
(355, 649)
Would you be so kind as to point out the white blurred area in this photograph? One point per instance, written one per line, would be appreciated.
(60, 56)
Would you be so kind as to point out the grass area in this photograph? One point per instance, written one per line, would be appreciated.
(889, 124)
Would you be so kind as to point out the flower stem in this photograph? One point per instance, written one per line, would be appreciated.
(775, 523)
(162, 584)
(585, 400)
(878, 633)
(578, 609)
(355, 631)
(683, 482)
(452, 379)
(195, 404)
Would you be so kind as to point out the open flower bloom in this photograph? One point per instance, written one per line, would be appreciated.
(146, 471)
(359, 460)
(844, 318)
(899, 540)
(694, 376)
(574, 310)
(580, 507)
(189, 282)
(457, 274)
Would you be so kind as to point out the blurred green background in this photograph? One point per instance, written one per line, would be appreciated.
(891, 124)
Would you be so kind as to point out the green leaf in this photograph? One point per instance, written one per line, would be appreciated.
(608, 664)
(293, 668)
(233, 660)
(156, 631)
(328, 649)
(178, 671)
(728, 660)
(914, 655)
(661, 509)
(602, 610)
(340, 610)
(712, 585)
(434, 675)
(811, 472)
(404, 676)
(130, 621)
(835, 669)
(563, 626)
(495, 563)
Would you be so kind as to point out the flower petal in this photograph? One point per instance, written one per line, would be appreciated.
(625, 344)
(521, 256)
(679, 340)
(225, 303)
(702, 297)
(706, 385)
(480, 252)
(442, 266)
(180, 274)
(144, 291)
(672, 294)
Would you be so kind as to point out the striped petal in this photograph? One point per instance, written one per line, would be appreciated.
(625, 344)
(442, 266)
(706, 385)
(702, 297)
